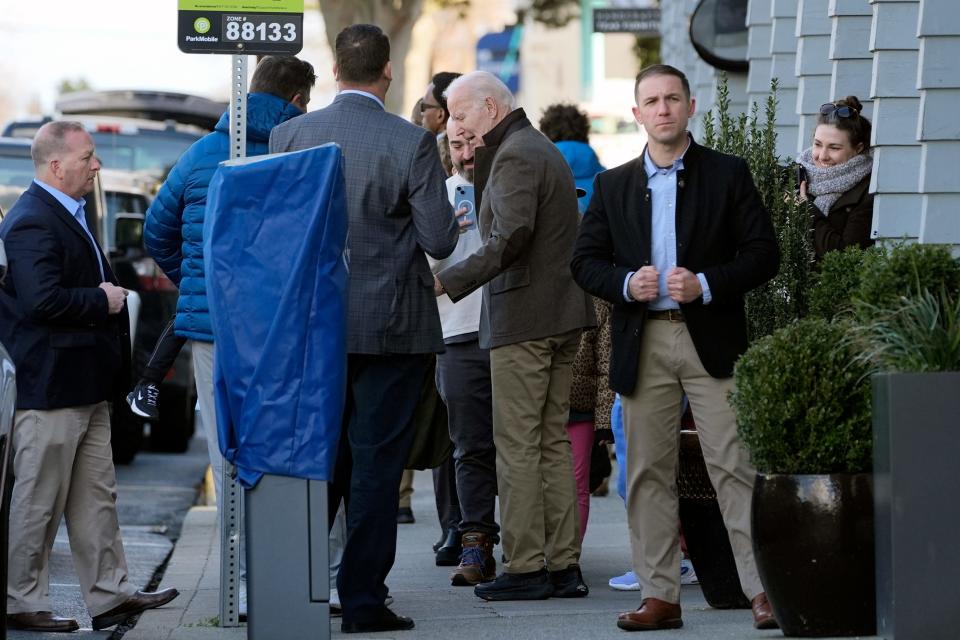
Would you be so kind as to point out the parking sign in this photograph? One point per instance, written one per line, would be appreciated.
(248, 27)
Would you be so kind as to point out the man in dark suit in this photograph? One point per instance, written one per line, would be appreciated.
(398, 210)
(531, 320)
(65, 321)
(674, 239)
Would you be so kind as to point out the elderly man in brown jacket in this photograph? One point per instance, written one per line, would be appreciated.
(531, 320)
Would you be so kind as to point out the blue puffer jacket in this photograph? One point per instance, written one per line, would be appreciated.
(585, 165)
(173, 232)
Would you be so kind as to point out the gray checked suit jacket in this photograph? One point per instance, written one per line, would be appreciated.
(398, 209)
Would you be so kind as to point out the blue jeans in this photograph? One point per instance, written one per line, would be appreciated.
(619, 446)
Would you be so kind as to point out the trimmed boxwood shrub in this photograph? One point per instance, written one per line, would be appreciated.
(838, 279)
(905, 272)
(802, 401)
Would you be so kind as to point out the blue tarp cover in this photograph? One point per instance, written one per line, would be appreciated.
(274, 236)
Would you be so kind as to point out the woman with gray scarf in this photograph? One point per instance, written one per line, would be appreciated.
(837, 181)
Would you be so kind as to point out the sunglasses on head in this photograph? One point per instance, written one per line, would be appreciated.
(842, 111)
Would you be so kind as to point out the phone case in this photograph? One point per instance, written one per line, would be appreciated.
(464, 197)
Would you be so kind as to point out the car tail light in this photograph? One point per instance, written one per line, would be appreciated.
(108, 128)
(151, 277)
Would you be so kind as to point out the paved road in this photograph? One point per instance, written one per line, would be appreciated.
(154, 494)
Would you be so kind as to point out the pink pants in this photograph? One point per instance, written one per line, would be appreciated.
(581, 441)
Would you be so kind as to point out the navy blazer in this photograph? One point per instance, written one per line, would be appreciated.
(68, 350)
(723, 231)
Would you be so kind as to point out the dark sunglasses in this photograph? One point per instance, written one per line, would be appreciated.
(830, 109)
(426, 106)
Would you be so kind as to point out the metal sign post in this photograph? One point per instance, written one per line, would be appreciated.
(231, 515)
(240, 28)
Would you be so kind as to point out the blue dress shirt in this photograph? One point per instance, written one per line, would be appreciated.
(662, 182)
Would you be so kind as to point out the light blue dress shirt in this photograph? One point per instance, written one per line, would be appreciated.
(369, 95)
(662, 183)
(75, 207)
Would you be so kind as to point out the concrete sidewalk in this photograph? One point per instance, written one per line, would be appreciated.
(423, 592)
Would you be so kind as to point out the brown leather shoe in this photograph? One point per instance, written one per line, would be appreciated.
(763, 613)
(653, 614)
(41, 621)
(476, 561)
(137, 603)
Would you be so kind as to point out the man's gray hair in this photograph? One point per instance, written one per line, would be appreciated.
(49, 140)
(482, 85)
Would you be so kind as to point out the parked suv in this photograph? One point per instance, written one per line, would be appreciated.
(8, 406)
(147, 105)
(16, 170)
(127, 198)
(126, 144)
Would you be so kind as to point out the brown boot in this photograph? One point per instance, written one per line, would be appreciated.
(476, 561)
(763, 613)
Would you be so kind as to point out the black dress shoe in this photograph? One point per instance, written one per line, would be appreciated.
(448, 555)
(41, 621)
(137, 603)
(386, 621)
(405, 516)
(439, 543)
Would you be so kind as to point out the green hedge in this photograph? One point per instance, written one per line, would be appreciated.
(783, 299)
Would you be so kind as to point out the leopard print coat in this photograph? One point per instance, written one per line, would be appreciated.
(590, 391)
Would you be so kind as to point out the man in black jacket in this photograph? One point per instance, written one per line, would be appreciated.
(674, 239)
(64, 319)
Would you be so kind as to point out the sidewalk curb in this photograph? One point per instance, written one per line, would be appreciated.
(194, 570)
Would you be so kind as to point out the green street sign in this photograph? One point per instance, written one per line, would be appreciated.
(250, 27)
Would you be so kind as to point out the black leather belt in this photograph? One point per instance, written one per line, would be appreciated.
(673, 315)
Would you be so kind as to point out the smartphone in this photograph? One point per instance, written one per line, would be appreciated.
(463, 197)
(801, 176)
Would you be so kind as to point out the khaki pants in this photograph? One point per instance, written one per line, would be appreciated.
(538, 495)
(669, 367)
(406, 488)
(203, 356)
(64, 467)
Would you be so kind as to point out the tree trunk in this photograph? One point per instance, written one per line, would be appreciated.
(395, 17)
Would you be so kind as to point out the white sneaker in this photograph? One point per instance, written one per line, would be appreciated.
(336, 609)
(687, 573)
(242, 601)
(626, 582)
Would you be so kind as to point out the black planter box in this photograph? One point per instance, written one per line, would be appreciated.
(916, 458)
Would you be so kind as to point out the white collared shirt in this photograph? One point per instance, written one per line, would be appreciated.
(368, 94)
